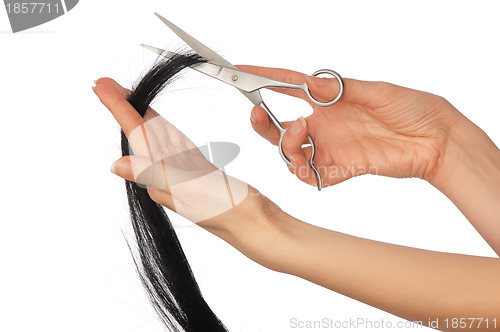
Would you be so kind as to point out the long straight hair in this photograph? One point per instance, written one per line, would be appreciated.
(160, 261)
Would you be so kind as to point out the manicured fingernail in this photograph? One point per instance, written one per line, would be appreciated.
(252, 116)
(113, 167)
(316, 80)
(298, 126)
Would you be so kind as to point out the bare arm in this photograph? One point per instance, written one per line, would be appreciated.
(469, 176)
(415, 284)
(385, 129)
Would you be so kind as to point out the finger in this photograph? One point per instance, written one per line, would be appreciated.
(167, 136)
(160, 126)
(154, 135)
(150, 113)
(126, 116)
(125, 92)
(302, 169)
(364, 92)
(355, 91)
(153, 176)
(140, 138)
(285, 75)
(294, 138)
(263, 126)
(114, 84)
(157, 139)
(323, 89)
(166, 141)
(123, 169)
(133, 169)
(153, 131)
(141, 171)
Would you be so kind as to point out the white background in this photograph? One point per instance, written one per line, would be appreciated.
(65, 265)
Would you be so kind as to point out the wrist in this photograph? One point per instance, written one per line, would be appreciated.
(468, 152)
(254, 227)
(469, 175)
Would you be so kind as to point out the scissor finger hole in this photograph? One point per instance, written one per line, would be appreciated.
(341, 88)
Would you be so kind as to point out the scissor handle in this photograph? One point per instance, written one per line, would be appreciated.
(282, 130)
(339, 95)
(310, 162)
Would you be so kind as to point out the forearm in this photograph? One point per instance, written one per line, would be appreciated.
(414, 284)
(469, 174)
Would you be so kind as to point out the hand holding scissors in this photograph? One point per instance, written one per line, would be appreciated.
(250, 84)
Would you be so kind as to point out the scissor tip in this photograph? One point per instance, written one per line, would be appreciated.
(151, 48)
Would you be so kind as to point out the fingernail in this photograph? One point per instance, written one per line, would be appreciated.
(252, 116)
(298, 126)
(95, 82)
(316, 80)
(113, 167)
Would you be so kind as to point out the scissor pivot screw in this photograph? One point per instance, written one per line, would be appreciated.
(234, 78)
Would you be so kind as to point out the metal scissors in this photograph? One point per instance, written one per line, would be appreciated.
(249, 84)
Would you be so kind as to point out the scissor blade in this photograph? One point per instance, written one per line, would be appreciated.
(221, 73)
(207, 68)
(198, 47)
(166, 54)
(209, 55)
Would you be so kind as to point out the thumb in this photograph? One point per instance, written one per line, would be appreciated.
(122, 168)
(141, 171)
(158, 175)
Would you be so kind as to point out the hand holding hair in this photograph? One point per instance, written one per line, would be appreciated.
(175, 172)
(160, 261)
(202, 199)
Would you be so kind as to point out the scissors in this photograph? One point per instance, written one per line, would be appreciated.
(249, 84)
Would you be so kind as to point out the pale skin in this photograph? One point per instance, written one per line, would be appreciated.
(398, 132)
